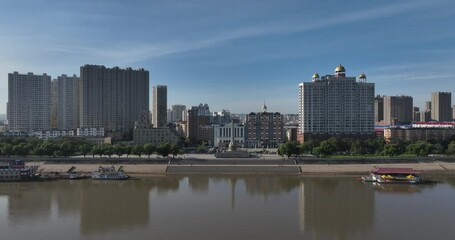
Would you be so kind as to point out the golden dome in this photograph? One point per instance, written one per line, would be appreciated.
(340, 68)
(362, 75)
(315, 75)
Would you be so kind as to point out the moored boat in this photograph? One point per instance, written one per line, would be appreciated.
(393, 175)
(16, 171)
(109, 173)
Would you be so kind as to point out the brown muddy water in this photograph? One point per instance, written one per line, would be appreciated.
(227, 207)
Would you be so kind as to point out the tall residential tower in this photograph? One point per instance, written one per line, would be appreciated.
(441, 106)
(67, 102)
(112, 98)
(29, 102)
(336, 105)
(159, 114)
(398, 110)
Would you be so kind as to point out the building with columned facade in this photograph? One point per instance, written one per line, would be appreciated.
(336, 105)
(222, 134)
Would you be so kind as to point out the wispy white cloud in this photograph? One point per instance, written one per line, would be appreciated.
(128, 53)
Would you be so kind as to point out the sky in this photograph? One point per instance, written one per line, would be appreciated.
(236, 54)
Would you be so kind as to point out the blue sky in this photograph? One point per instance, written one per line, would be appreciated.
(236, 54)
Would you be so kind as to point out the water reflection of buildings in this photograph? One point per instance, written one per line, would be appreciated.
(270, 185)
(334, 208)
(107, 206)
(199, 183)
(101, 206)
(26, 202)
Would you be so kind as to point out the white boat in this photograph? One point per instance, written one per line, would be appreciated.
(109, 173)
(393, 175)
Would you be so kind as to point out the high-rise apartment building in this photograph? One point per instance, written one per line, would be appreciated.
(112, 98)
(416, 114)
(159, 115)
(54, 101)
(398, 110)
(67, 102)
(198, 120)
(29, 102)
(428, 106)
(378, 109)
(441, 106)
(264, 129)
(178, 112)
(336, 105)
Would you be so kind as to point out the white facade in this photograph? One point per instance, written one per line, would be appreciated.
(44, 135)
(336, 104)
(222, 134)
(91, 132)
(178, 112)
(29, 102)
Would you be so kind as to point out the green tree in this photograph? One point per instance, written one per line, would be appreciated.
(325, 149)
(175, 151)
(21, 149)
(391, 149)
(128, 150)
(164, 149)
(67, 149)
(84, 149)
(149, 149)
(97, 150)
(39, 151)
(358, 147)
(438, 148)
(119, 150)
(137, 150)
(288, 149)
(451, 148)
(108, 150)
(419, 148)
(201, 148)
(48, 148)
(305, 148)
(7, 149)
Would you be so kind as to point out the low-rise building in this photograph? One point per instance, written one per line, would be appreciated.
(222, 134)
(143, 133)
(44, 135)
(417, 132)
(91, 132)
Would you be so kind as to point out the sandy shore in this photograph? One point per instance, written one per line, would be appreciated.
(438, 168)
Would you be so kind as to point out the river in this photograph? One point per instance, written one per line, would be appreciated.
(227, 207)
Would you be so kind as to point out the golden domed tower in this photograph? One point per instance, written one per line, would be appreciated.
(316, 77)
(340, 71)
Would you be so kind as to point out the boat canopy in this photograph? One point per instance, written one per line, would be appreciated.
(395, 171)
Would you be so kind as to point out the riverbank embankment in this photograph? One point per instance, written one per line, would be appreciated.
(266, 167)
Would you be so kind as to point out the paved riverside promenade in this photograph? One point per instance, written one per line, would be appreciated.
(267, 164)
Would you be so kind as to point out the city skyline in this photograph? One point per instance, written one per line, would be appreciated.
(233, 55)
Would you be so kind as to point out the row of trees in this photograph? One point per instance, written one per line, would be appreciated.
(372, 146)
(71, 147)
